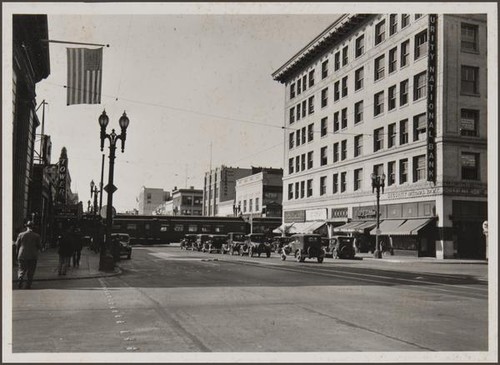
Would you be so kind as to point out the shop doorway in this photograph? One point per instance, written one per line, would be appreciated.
(471, 242)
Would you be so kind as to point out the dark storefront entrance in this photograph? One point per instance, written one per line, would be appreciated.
(468, 217)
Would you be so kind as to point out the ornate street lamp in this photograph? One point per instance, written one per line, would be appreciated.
(378, 182)
(106, 258)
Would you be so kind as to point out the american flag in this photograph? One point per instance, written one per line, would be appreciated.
(84, 76)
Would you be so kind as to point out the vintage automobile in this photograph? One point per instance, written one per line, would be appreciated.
(258, 244)
(303, 246)
(214, 243)
(279, 242)
(200, 241)
(188, 241)
(121, 245)
(233, 242)
(340, 247)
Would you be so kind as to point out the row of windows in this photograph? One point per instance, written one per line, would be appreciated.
(250, 205)
(395, 170)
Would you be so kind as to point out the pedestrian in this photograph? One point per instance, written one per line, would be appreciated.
(77, 248)
(65, 251)
(28, 244)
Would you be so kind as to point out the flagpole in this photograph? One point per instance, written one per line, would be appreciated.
(67, 42)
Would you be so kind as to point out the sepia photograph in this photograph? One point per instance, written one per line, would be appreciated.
(249, 182)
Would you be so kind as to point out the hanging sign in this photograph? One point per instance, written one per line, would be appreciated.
(431, 99)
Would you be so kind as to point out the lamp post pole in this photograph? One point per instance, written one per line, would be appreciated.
(93, 193)
(377, 184)
(106, 262)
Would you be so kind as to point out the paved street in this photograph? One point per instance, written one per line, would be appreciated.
(170, 300)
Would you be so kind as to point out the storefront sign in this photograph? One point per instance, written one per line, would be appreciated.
(61, 180)
(414, 193)
(339, 213)
(316, 214)
(365, 212)
(431, 99)
(296, 216)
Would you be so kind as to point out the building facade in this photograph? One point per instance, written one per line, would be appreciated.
(151, 198)
(182, 202)
(260, 194)
(404, 95)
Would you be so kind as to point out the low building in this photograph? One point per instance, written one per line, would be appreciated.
(151, 198)
(182, 202)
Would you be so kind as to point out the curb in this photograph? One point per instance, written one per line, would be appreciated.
(117, 272)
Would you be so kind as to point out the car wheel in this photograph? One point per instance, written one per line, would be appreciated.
(268, 254)
(320, 260)
(250, 252)
(298, 256)
(283, 257)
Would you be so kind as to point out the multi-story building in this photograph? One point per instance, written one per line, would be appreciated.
(150, 198)
(404, 95)
(183, 202)
(260, 194)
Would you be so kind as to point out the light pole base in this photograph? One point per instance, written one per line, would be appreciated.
(106, 263)
(377, 254)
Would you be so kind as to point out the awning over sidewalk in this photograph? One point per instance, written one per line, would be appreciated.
(303, 227)
(408, 228)
(388, 226)
(355, 227)
(282, 228)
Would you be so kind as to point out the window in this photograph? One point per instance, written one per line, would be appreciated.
(337, 60)
(421, 44)
(378, 169)
(358, 179)
(393, 24)
(303, 135)
(378, 139)
(469, 120)
(297, 163)
(244, 205)
(405, 20)
(297, 137)
(336, 152)
(310, 159)
(311, 104)
(403, 132)
(380, 32)
(324, 125)
(297, 109)
(290, 165)
(250, 205)
(391, 173)
(345, 55)
(358, 78)
(379, 67)
(290, 140)
(403, 93)
(322, 185)
(343, 152)
(391, 140)
(290, 191)
(324, 97)
(358, 145)
(419, 168)
(309, 187)
(358, 112)
(344, 118)
(336, 123)
(292, 91)
(335, 183)
(417, 16)
(296, 190)
(292, 115)
(303, 162)
(360, 45)
(324, 158)
(302, 189)
(257, 208)
(470, 80)
(324, 69)
(336, 91)
(310, 132)
(403, 171)
(378, 105)
(344, 86)
(304, 108)
(393, 59)
(343, 182)
(405, 52)
(304, 82)
(311, 78)
(469, 39)
(470, 166)
(392, 97)
(419, 127)
(420, 86)
(299, 83)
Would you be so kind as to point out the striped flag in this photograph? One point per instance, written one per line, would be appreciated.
(84, 76)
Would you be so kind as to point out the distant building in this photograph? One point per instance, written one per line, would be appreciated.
(182, 202)
(260, 194)
(150, 198)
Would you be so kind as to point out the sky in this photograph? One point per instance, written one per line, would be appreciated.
(197, 89)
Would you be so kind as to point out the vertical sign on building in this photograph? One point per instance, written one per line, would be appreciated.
(61, 180)
(431, 99)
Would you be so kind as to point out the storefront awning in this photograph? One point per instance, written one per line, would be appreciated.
(355, 227)
(303, 227)
(388, 226)
(411, 227)
(314, 226)
(282, 228)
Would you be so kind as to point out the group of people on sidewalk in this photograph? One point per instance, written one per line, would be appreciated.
(28, 246)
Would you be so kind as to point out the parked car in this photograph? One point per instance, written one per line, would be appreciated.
(279, 242)
(188, 241)
(234, 242)
(303, 246)
(214, 243)
(341, 247)
(258, 244)
(200, 241)
(121, 245)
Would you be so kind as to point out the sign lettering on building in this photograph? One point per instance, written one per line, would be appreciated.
(339, 213)
(316, 214)
(296, 216)
(61, 176)
(431, 99)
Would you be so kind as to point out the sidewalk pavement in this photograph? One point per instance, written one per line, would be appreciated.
(48, 260)
(409, 259)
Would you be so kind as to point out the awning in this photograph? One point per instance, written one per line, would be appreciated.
(305, 227)
(314, 226)
(281, 228)
(388, 226)
(355, 227)
(411, 226)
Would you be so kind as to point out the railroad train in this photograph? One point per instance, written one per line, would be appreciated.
(146, 229)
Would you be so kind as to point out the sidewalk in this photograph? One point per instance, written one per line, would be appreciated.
(409, 259)
(46, 268)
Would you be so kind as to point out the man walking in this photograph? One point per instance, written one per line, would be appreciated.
(27, 245)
